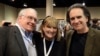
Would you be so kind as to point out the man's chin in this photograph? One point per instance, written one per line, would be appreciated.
(30, 30)
(77, 29)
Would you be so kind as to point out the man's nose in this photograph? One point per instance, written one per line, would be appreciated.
(75, 20)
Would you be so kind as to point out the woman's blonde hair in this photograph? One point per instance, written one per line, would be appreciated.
(53, 22)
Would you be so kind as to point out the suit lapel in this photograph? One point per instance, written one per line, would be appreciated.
(20, 41)
(69, 41)
(89, 43)
(33, 38)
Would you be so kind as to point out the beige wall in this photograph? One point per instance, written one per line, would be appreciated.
(41, 12)
(9, 13)
(59, 13)
(1, 12)
(95, 12)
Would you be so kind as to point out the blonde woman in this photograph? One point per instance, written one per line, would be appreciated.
(51, 43)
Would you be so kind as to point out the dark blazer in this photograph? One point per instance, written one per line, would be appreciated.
(92, 46)
(12, 43)
(59, 47)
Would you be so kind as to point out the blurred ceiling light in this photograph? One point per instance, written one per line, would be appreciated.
(12, 0)
(83, 3)
(25, 5)
(54, 4)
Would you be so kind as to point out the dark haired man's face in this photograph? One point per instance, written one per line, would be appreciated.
(77, 19)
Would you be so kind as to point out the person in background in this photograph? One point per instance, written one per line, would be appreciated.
(99, 23)
(7, 24)
(51, 43)
(19, 39)
(82, 40)
(67, 28)
(96, 24)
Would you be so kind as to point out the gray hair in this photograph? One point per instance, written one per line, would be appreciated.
(22, 11)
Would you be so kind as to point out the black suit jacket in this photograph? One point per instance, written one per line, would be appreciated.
(12, 43)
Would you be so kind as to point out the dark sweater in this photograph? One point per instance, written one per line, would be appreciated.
(77, 44)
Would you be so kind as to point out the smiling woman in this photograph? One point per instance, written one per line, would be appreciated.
(51, 43)
(49, 27)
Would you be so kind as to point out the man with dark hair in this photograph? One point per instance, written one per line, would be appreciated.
(82, 40)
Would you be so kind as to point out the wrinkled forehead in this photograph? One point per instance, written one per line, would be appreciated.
(76, 10)
(31, 13)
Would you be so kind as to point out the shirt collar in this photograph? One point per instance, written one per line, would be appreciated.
(27, 34)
